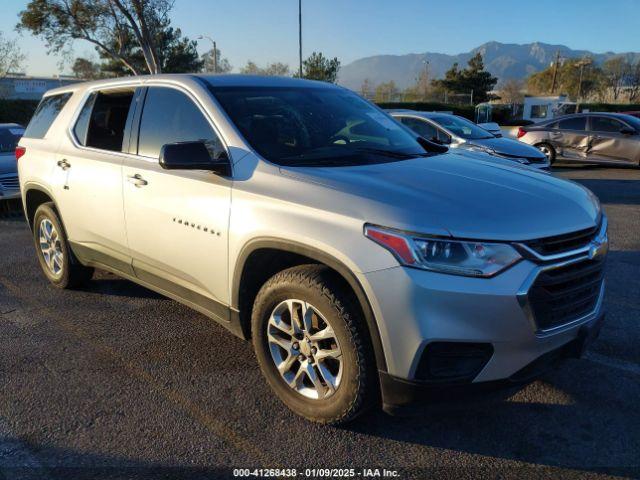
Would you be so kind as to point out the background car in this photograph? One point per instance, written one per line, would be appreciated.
(612, 138)
(458, 132)
(10, 134)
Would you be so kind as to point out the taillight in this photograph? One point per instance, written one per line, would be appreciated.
(20, 151)
(521, 132)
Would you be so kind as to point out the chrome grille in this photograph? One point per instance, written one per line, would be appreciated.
(560, 244)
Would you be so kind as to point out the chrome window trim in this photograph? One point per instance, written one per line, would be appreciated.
(137, 84)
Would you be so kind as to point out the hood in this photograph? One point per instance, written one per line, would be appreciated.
(508, 146)
(456, 195)
(8, 163)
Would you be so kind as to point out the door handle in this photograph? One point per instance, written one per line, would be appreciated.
(137, 180)
(63, 164)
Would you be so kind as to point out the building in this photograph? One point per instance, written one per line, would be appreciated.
(19, 86)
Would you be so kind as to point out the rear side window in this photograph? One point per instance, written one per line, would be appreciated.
(170, 116)
(577, 123)
(45, 114)
(82, 124)
(420, 127)
(108, 119)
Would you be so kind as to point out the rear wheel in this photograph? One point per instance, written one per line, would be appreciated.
(548, 151)
(57, 261)
(311, 345)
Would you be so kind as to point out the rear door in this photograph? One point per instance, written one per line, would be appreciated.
(89, 190)
(608, 143)
(571, 138)
(177, 220)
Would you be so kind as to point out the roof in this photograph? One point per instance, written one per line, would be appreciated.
(233, 80)
(419, 113)
(10, 125)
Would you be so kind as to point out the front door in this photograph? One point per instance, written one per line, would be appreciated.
(608, 142)
(177, 220)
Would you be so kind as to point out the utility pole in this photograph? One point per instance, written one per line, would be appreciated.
(555, 72)
(581, 64)
(215, 51)
(300, 35)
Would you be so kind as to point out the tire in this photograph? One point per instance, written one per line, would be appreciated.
(327, 300)
(59, 264)
(548, 150)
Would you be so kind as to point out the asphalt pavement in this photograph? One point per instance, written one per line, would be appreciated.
(115, 381)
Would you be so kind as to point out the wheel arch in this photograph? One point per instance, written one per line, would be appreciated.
(285, 254)
(34, 196)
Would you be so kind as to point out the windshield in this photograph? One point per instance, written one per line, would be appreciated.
(9, 138)
(462, 127)
(315, 126)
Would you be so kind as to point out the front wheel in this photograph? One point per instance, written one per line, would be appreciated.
(311, 345)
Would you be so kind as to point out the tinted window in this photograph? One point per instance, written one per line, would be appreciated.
(45, 114)
(422, 128)
(82, 124)
(605, 124)
(577, 123)
(170, 116)
(9, 138)
(108, 119)
(315, 126)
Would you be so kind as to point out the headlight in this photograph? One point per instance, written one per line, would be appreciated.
(468, 258)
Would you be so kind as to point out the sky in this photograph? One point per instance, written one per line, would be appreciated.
(267, 30)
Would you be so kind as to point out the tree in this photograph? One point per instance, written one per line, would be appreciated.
(568, 79)
(86, 69)
(633, 82)
(318, 67)
(386, 92)
(512, 91)
(272, 69)
(112, 26)
(473, 80)
(366, 89)
(11, 57)
(177, 54)
(223, 64)
(614, 72)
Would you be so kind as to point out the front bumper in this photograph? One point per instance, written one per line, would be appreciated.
(9, 187)
(398, 393)
(417, 309)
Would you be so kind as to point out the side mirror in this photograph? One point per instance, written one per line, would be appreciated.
(627, 131)
(193, 156)
(430, 146)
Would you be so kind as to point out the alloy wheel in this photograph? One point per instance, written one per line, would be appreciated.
(305, 349)
(50, 247)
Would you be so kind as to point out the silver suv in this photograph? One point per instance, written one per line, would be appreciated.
(366, 264)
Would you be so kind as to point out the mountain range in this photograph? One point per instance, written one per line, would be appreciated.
(503, 60)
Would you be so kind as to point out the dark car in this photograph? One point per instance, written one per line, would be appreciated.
(457, 132)
(10, 134)
(612, 138)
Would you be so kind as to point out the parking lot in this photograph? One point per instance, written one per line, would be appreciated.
(118, 382)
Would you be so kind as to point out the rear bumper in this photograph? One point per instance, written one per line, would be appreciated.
(399, 393)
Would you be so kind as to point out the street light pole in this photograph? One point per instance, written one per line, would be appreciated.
(215, 51)
(300, 36)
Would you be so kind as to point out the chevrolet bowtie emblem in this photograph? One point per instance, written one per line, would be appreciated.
(598, 248)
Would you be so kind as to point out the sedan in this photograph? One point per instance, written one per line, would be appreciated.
(611, 138)
(458, 132)
(10, 133)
